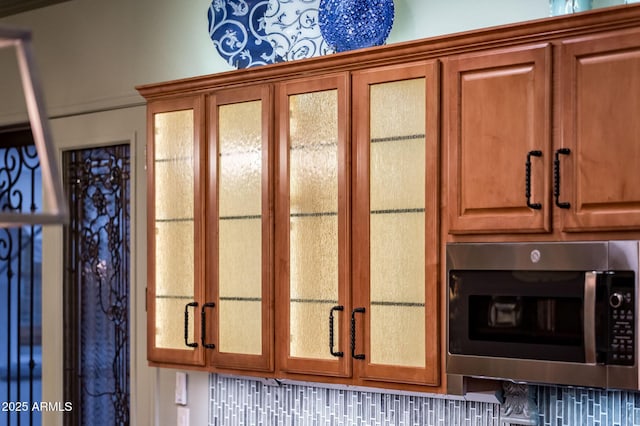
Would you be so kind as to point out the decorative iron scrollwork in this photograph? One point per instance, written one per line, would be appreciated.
(97, 185)
(20, 284)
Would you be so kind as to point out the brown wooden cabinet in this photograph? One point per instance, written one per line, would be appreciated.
(499, 139)
(389, 332)
(599, 117)
(238, 316)
(285, 195)
(210, 221)
(175, 229)
(395, 224)
(382, 215)
(312, 225)
(507, 175)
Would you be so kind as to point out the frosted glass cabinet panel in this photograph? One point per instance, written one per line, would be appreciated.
(238, 319)
(313, 223)
(239, 227)
(174, 161)
(312, 238)
(397, 218)
(395, 237)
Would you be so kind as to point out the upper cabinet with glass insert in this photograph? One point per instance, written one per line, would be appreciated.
(210, 221)
(237, 318)
(175, 230)
(298, 212)
(394, 333)
(312, 225)
(378, 320)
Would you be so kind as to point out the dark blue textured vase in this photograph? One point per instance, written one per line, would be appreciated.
(353, 24)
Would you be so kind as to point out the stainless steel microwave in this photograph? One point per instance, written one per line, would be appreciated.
(552, 312)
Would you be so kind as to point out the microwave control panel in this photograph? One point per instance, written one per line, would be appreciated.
(621, 320)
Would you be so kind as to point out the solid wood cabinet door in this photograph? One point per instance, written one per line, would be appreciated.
(600, 109)
(498, 137)
(312, 226)
(238, 315)
(175, 163)
(395, 316)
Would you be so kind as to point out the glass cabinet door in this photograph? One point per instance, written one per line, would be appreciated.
(312, 224)
(175, 228)
(238, 313)
(395, 249)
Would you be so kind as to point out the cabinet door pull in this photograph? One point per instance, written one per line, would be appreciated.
(333, 353)
(535, 206)
(203, 326)
(186, 324)
(556, 177)
(353, 333)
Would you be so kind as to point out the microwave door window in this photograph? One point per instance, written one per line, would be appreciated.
(517, 315)
(534, 320)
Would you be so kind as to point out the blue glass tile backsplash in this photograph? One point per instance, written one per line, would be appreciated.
(236, 401)
(577, 406)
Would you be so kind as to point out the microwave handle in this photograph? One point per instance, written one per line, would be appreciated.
(590, 280)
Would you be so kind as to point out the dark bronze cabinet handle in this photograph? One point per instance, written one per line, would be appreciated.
(353, 333)
(556, 177)
(331, 343)
(203, 326)
(186, 324)
(535, 206)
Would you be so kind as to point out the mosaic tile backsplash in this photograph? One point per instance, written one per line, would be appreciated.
(589, 407)
(236, 401)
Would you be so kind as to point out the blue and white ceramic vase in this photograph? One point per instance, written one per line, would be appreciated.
(292, 29)
(562, 7)
(354, 24)
(237, 30)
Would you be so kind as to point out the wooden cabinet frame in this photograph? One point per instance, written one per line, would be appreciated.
(188, 356)
(559, 39)
(599, 117)
(265, 361)
(339, 366)
(362, 81)
(498, 203)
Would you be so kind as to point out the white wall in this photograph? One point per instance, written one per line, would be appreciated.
(91, 55)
